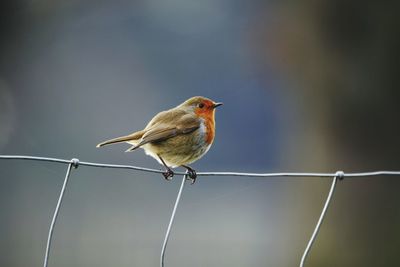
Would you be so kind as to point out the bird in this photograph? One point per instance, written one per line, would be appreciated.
(176, 137)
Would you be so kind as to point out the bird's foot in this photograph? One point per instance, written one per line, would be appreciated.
(168, 174)
(191, 174)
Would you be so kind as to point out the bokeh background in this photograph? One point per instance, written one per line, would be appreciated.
(307, 86)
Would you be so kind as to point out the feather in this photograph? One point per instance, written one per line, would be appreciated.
(126, 138)
(161, 132)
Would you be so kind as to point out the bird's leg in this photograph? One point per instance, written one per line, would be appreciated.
(168, 172)
(191, 173)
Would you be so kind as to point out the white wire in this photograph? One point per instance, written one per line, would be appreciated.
(75, 162)
(321, 218)
(171, 221)
(242, 174)
(55, 215)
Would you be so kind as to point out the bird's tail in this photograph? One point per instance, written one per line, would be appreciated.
(122, 139)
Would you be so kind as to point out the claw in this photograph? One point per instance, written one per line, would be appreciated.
(191, 174)
(168, 174)
(193, 180)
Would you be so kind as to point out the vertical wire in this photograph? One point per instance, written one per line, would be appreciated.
(321, 218)
(171, 221)
(55, 215)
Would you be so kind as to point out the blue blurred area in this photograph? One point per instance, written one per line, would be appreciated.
(306, 87)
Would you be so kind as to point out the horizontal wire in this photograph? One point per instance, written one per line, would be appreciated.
(242, 174)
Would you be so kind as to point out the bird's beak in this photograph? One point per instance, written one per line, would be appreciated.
(217, 104)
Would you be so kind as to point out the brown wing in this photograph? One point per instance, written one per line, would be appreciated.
(159, 132)
(166, 117)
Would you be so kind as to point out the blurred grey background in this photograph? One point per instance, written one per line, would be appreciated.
(307, 86)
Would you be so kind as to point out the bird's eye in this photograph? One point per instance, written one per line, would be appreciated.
(201, 105)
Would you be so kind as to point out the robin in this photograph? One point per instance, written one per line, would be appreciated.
(176, 137)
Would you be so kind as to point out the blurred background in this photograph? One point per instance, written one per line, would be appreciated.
(307, 86)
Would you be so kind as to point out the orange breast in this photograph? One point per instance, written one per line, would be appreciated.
(208, 115)
(210, 126)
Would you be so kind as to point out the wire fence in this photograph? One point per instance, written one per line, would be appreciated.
(75, 163)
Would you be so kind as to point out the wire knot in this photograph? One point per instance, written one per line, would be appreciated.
(339, 175)
(75, 162)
